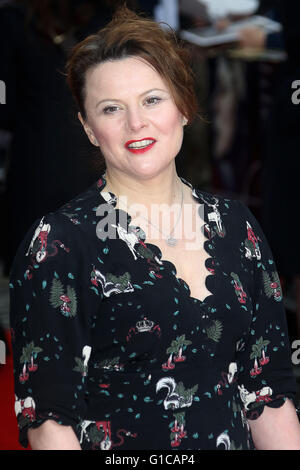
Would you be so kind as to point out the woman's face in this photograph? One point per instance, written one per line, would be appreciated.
(131, 115)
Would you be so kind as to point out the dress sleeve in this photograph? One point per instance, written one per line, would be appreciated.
(50, 325)
(264, 359)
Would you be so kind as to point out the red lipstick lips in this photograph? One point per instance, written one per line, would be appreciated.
(142, 145)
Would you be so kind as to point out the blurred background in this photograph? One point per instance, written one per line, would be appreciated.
(247, 75)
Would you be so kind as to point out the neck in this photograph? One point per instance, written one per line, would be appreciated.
(156, 205)
(164, 188)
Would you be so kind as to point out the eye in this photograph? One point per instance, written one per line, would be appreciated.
(110, 109)
(153, 100)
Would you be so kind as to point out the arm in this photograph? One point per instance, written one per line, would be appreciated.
(53, 436)
(266, 375)
(52, 336)
(276, 428)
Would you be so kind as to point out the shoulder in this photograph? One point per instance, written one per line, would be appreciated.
(80, 213)
(219, 201)
(230, 218)
(236, 226)
(232, 210)
(70, 224)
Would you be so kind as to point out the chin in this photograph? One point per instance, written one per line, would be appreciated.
(148, 171)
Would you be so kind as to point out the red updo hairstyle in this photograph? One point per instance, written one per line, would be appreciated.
(129, 34)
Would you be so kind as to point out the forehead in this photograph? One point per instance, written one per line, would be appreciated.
(117, 77)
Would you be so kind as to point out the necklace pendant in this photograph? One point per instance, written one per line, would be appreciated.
(171, 241)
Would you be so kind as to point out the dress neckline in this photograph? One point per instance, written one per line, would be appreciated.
(208, 245)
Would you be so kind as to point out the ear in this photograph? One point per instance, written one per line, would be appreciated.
(88, 130)
(184, 121)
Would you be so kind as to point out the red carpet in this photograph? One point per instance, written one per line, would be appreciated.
(8, 428)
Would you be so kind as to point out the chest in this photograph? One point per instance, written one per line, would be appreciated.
(189, 260)
(189, 255)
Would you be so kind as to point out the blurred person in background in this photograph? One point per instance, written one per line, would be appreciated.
(227, 90)
(280, 161)
(216, 12)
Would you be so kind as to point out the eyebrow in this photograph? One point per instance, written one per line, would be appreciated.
(142, 94)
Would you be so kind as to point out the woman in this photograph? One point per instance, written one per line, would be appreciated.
(130, 333)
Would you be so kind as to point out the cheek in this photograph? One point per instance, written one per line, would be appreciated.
(106, 135)
(171, 122)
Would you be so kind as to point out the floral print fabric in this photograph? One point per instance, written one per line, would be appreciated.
(107, 339)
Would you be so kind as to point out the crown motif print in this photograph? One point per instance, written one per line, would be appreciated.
(144, 325)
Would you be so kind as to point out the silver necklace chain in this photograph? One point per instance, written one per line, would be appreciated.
(170, 241)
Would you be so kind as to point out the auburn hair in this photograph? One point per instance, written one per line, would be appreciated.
(130, 34)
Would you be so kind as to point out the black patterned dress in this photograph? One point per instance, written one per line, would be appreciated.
(107, 338)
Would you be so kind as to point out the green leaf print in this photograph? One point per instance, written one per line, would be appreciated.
(214, 332)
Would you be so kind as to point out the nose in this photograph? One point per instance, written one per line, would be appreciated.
(136, 119)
